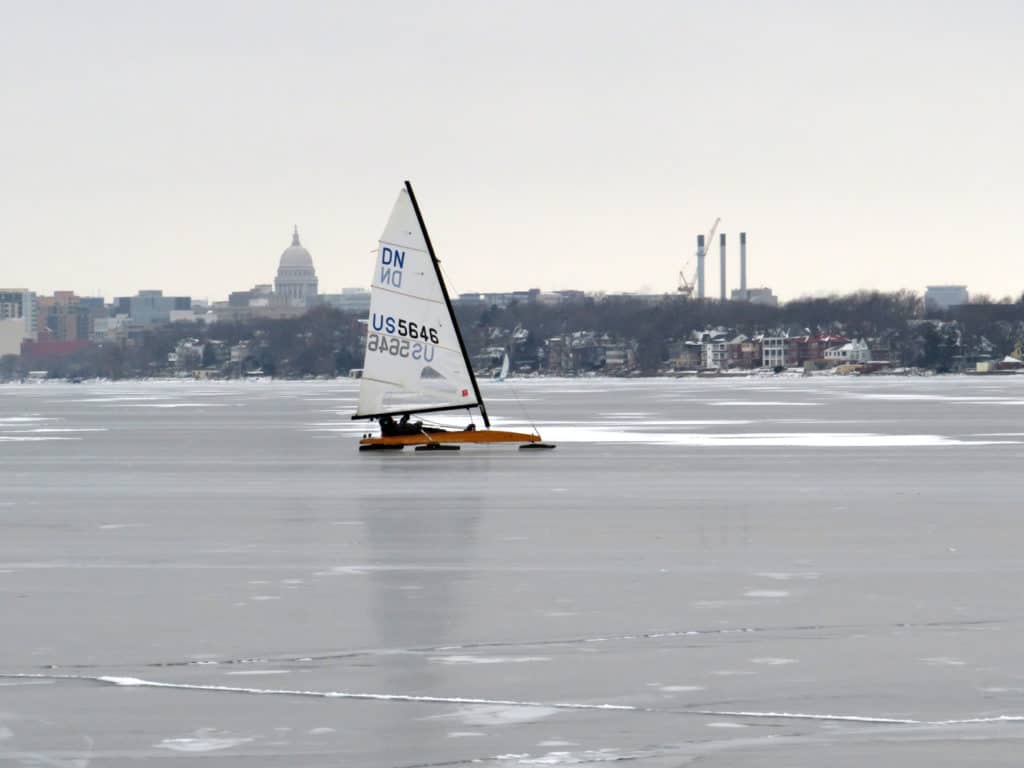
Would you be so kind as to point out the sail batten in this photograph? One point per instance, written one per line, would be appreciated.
(400, 293)
(415, 356)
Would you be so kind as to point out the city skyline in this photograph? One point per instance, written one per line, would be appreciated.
(554, 146)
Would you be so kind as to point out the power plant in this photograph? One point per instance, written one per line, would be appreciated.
(743, 261)
(689, 285)
(721, 268)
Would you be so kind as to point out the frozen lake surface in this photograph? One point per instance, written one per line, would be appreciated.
(755, 572)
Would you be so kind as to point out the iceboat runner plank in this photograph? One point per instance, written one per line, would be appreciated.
(462, 436)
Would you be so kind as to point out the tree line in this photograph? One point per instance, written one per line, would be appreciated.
(328, 342)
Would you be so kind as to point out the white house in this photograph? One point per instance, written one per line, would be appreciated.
(856, 351)
(773, 351)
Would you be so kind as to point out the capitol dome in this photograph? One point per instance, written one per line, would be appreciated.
(296, 278)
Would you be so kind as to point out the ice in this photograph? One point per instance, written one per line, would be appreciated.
(621, 558)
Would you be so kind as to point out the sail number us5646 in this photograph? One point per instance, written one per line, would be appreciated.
(402, 327)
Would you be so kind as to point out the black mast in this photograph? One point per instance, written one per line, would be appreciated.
(448, 302)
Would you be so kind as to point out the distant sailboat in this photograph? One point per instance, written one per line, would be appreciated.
(503, 373)
(416, 360)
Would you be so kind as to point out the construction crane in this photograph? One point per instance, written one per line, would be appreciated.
(687, 286)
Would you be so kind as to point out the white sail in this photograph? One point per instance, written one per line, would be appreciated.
(503, 373)
(414, 361)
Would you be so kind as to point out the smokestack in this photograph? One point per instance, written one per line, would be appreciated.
(743, 261)
(721, 251)
(700, 266)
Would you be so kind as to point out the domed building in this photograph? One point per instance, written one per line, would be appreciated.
(296, 281)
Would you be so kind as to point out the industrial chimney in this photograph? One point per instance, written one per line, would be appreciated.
(721, 250)
(700, 266)
(743, 262)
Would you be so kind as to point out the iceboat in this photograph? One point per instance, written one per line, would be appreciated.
(503, 373)
(416, 361)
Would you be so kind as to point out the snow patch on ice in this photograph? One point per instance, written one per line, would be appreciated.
(491, 714)
(258, 672)
(784, 576)
(32, 438)
(770, 403)
(203, 741)
(772, 661)
(590, 434)
(680, 688)
(943, 661)
(464, 734)
(176, 405)
(117, 399)
(452, 660)
(38, 430)
(346, 570)
(586, 757)
(725, 724)
(766, 593)
(123, 681)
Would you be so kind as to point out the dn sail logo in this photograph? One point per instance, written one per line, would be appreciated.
(392, 262)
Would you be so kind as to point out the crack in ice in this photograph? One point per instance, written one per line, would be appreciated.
(135, 682)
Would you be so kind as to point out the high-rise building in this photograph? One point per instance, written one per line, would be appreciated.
(18, 302)
(17, 319)
(150, 307)
(939, 297)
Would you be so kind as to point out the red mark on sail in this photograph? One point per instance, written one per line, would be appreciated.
(465, 393)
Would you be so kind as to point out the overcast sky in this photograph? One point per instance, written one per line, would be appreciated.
(551, 144)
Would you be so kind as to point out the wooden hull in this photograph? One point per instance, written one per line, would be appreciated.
(462, 437)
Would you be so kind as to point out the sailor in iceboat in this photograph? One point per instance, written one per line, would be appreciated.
(391, 428)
